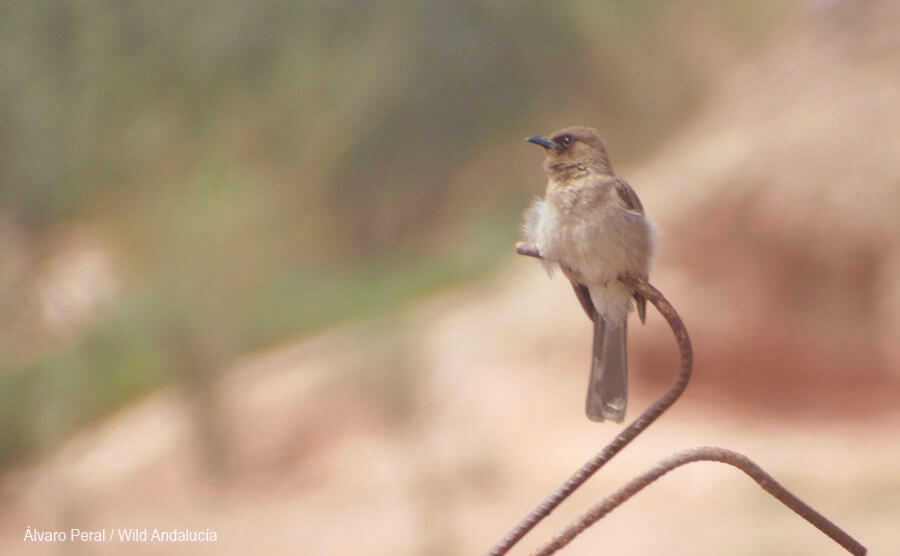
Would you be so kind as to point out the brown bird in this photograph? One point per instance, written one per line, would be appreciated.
(592, 225)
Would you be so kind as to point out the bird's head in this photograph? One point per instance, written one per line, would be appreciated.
(574, 150)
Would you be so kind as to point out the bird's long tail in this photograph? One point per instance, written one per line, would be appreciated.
(608, 389)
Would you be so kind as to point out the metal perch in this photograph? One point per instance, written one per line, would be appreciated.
(639, 425)
(708, 453)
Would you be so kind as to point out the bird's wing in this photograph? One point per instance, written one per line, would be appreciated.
(583, 295)
(634, 204)
(629, 196)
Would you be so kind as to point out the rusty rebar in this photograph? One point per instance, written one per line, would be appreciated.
(721, 455)
(630, 432)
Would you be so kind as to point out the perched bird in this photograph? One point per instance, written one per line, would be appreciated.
(592, 225)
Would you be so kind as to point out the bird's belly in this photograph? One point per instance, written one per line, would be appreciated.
(598, 248)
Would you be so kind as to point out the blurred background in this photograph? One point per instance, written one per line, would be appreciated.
(256, 270)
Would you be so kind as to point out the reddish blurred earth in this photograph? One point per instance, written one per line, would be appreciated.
(434, 431)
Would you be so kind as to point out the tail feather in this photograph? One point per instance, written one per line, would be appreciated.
(608, 388)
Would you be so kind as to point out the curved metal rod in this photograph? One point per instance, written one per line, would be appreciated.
(721, 455)
(630, 432)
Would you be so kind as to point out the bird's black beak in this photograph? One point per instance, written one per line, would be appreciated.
(542, 141)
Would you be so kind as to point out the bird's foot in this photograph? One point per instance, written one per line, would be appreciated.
(528, 250)
(630, 278)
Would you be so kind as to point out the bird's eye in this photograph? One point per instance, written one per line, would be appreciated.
(566, 140)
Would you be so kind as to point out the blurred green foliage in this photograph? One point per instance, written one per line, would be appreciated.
(265, 169)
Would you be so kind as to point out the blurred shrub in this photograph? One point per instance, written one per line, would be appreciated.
(269, 168)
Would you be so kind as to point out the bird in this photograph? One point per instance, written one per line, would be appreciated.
(591, 224)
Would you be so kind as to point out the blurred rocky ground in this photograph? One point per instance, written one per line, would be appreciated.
(779, 210)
